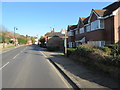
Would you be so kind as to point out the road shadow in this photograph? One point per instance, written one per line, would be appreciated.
(84, 72)
(34, 50)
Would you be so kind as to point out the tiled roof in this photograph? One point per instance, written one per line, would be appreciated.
(55, 34)
(110, 8)
(100, 12)
(72, 27)
(82, 18)
(86, 20)
(47, 33)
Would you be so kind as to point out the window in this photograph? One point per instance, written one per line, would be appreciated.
(76, 32)
(71, 44)
(95, 25)
(101, 24)
(88, 28)
(98, 24)
(97, 43)
(102, 43)
(81, 30)
(70, 33)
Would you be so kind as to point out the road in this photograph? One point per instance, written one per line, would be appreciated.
(26, 67)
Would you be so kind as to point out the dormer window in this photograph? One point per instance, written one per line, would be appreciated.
(98, 24)
(76, 32)
(88, 28)
(81, 30)
(95, 25)
(101, 24)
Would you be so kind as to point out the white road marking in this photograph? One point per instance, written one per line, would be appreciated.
(19, 53)
(9, 62)
(43, 54)
(16, 56)
(63, 79)
(4, 65)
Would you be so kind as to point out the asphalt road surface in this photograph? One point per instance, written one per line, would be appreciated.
(26, 67)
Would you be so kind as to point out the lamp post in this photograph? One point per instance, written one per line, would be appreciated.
(14, 35)
(65, 43)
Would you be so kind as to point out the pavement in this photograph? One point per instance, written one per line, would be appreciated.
(27, 67)
(81, 75)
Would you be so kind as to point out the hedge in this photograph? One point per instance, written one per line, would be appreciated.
(97, 58)
(115, 49)
(105, 49)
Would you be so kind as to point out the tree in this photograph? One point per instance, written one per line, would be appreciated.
(42, 40)
(22, 39)
(33, 40)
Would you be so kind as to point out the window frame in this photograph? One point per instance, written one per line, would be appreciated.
(83, 31)
(98, 24)
(87, 29)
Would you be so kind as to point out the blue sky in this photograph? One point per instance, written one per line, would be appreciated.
(36, 18)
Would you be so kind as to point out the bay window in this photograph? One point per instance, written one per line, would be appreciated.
(95, 25)
(70, 33)
(88, 28)
(101, 24)
(98, 24)
(81, 30)
(76, 32)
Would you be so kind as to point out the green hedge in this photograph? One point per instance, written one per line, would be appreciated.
(115, 49)
(105, 49)
(97, 58)
(95, 54)
(21, 40)
(70, 51)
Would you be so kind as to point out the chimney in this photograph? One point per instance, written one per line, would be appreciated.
(53, 30)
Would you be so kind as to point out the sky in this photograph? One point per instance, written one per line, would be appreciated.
(37, 18)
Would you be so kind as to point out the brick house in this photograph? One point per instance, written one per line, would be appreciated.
(46, 36)
(102, 27)
(71, 35)
(80, 32)
(55, 39)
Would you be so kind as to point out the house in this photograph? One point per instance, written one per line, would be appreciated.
(46, 36)
(36, 40)
(55, 39)
(71, 35)
(100, 28)
(15, 40)
(80, 32)
(29, 42)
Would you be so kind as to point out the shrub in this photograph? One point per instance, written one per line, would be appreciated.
(70, 51)
(105, 49)
(21, 40)
(87, 45)
(115, 49)
(98, 58)
(83, 51)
